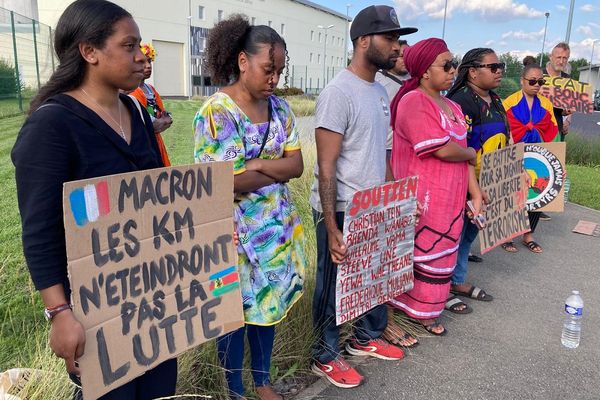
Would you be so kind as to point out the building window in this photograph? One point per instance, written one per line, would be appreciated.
(310, 57)
(253, 21)
(339, 41)
(270, 24)
(283, 29)
(331, 60)
(312, 36)
(319, 37)
(318, 59)
(202, 44)
(219, 15)
(200, 12)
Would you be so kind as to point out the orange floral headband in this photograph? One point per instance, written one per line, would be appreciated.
(148, 51)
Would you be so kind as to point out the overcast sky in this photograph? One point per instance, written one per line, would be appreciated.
(515, 26)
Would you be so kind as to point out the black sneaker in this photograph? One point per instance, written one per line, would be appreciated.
(544, 217)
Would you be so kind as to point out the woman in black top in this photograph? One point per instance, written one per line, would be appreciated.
(80, 127)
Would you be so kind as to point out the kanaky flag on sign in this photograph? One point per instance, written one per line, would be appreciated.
(89, 203)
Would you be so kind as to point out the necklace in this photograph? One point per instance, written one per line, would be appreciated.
(120, 131)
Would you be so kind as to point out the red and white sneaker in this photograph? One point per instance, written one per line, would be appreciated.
(338, 372)
(378, 348)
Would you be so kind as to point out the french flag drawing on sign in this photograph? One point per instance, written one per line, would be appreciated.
(89, 203)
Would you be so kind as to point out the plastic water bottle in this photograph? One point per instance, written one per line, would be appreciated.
(566, 188)
(572, 326)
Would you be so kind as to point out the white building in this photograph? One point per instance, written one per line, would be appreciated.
(178, 30)
(591, 76)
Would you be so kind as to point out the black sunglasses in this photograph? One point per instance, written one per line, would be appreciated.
(532, 82)
(494, 67)
(448, 65)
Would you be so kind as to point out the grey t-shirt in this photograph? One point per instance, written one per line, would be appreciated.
(391, 87)
(358, 110)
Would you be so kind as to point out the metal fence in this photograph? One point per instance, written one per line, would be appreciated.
(26, 60)
(310, 79)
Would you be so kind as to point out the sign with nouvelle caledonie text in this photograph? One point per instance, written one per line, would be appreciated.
(152, 267)
(379, 231)
(502, 178)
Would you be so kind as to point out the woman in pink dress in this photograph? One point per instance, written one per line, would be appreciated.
(430, 136)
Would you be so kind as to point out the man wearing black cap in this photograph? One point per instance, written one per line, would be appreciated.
(352, 120)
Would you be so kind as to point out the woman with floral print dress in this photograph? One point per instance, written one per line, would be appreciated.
(246, 124)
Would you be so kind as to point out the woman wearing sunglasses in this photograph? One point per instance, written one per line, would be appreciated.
(430, 141)
(479, 73)
(531, 120)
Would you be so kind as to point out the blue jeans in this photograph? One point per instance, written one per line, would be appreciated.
(369, 326)
(469, 233)
(230, 349)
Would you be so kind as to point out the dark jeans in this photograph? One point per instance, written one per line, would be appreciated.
(469, 233)
(369, 326)
(231, 354)
(158, 382)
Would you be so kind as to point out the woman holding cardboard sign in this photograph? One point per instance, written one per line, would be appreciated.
(430, 141)
(80, 127)
(247, 124)
(531, 120)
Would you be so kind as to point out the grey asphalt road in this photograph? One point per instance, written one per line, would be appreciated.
(587, 125)
(509, 348)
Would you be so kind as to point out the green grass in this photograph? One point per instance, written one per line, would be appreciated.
(583, 150)
(585, 185)
(23, 331)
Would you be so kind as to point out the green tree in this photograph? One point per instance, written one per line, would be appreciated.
(8, 84)
(575, 65)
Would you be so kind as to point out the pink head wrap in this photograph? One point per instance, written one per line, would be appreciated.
(417, 59)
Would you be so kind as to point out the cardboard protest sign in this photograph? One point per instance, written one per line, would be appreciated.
(568, 94)
(545, 164)
(152, 267)
(501, 177)
(587, 228)
(379, 231)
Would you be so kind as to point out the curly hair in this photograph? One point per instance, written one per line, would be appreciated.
(472, 58)
(230, 37)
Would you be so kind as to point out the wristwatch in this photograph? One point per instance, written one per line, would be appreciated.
(49, 313)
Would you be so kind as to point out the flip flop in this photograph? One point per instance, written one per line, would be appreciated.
(533, 247)
(510, 247)
(453, 303)
(430, 328)
(474, 293)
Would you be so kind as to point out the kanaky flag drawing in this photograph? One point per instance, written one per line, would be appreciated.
(89, 203)
(224, 281)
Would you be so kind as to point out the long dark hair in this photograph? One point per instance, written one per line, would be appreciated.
(472, 58)
(84, 21)
(230, 37)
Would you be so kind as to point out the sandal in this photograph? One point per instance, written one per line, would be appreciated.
(397, 336)
(510, 247)
(533, 247)
(457, 306)
(436, 324)
(474, 293)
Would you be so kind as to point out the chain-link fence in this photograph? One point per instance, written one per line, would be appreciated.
(26, 60)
